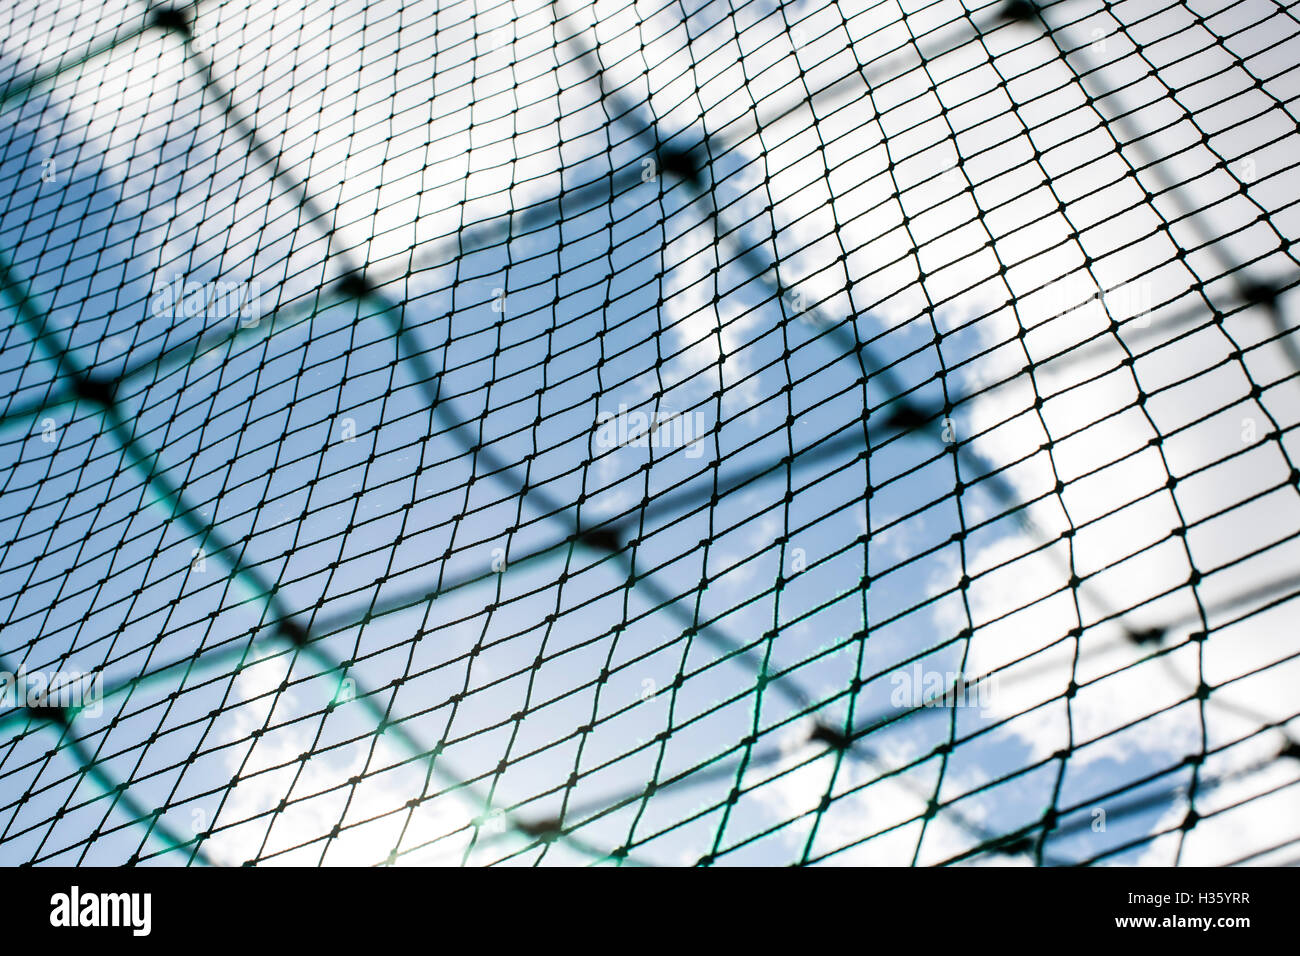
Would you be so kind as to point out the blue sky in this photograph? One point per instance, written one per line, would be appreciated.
(607, 304)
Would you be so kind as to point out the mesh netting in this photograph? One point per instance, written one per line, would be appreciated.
(650, 433)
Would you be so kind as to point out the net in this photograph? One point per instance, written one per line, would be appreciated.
(649, 433)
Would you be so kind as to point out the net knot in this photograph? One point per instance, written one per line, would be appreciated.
(44, 710)
(832, 738)
(546, 830)
(168, 17)
(94, 389)
(905, 416)
(682, 164)
(1260, 293)
(602, 539)
(293, 632)
(1019, 11)
(1145, 635)
(356, 285)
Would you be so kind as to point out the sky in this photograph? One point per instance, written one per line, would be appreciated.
(979, 199)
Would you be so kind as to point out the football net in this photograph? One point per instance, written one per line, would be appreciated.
(650, 433)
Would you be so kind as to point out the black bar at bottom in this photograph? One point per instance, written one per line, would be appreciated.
(342, 907)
